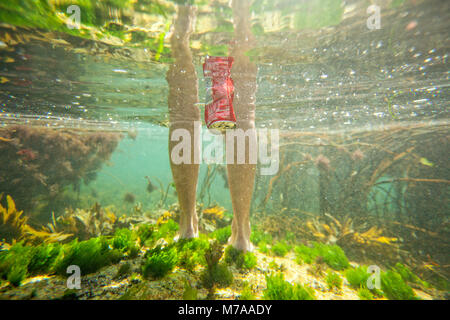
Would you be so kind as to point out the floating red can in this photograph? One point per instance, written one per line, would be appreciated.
(219, 113)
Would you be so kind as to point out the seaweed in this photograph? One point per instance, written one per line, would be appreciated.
(214, 215)
(144, 233)
(408, 276)
(125, 241)
(281, 248)
(191, 253)
(395, 288)
(21, 261)
(263, 248)
(215, 274)
(332, 255)
(14, 262)
(43, 258)
(242, 260)
(305, 254)
(257, 236)
(317, 269)
(279, 289)
(123, 270)
(167, 230)
(159, 262)
(40, 162)
(333, 280)
(17, 274)
(222, 235)
(89, 255)
(365, 294)
(14, 227)
(274, 266)
(190, 293)
(357, 277)
(247, 292)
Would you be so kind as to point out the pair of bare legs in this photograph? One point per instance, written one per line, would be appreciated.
(183, 111)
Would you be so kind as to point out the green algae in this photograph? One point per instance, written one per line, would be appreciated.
(191, 253)
(395, 288)
(244, 261)
(280, 248)
(333, 280)
(332, 255)
(159, 262)
(222, 235)
(357, 277)
(279, 289)
(89, 255)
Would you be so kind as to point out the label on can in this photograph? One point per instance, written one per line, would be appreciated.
(219, 113)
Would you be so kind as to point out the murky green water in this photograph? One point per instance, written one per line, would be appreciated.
(362, 116)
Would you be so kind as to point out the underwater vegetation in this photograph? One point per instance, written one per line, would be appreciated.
(377, 197)
(395, 288)
(212, 218)
(190, 293)
(159, 261)
(191, 253)
(247, 292)
(89, 255)
(244, 261)
(280, 289)
(365, 294)
(215, 275)
(262, 239)
(145, 233)
(202, 259)
(124, 270)
(257, 236)
(21, 261)
(332, 255)
(125, 241)
(357, 277)
(85, 224)
(98, 23)
(408, 276)
(166, 230)
(280, 248)
(14, 227)
(333, 280)
(343, 233)
(394, 282)
(215, 216)
(318, 268)
(222, 235)
(39, 163)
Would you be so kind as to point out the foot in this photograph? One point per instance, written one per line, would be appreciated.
(242, 244)
(187, 234)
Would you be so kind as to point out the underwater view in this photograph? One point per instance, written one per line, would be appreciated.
(224, 150)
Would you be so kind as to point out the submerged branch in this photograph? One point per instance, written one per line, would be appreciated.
(413, 180)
